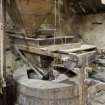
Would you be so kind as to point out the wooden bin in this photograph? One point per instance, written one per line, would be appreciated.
(39, 92)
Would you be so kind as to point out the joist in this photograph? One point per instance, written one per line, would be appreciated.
(38, 42)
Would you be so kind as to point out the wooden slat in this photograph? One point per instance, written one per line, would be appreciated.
(69, 48)
(49, 51)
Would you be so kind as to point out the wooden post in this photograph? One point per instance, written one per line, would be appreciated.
(83, 87)
(2, 45)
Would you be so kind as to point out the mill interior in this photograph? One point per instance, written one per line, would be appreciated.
(52, 52)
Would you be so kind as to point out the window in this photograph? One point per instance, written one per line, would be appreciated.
(103, 1)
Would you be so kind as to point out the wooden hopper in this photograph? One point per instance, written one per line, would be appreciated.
(30, 14)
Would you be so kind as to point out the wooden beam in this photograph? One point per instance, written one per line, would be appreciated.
(2, 45)
(34, 50)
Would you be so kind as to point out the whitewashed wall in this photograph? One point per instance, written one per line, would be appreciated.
(92, 29)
